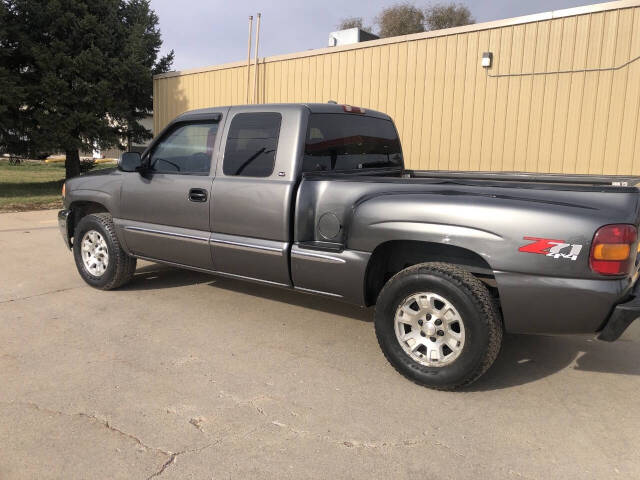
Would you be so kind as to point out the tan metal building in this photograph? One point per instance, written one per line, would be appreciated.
(562, 94)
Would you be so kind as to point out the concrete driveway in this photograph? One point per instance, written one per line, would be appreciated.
(183, 375)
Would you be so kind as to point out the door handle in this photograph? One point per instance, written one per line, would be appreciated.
(198, 195)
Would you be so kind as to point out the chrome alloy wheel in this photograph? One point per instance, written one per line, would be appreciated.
(95, 254)
(429, 329)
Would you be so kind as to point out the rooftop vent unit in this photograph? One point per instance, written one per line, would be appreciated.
(349, 36)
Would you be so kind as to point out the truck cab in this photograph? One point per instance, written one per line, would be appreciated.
(217, 191)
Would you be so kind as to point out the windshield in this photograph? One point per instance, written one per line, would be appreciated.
(350, 142)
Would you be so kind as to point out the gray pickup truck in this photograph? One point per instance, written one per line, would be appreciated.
(316, 198)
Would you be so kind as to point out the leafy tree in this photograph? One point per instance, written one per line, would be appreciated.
(400, 19)
(405, 18)
(447, 15)
(83, 73)
(350, 22)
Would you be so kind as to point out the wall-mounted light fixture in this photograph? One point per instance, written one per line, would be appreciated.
(487, 59)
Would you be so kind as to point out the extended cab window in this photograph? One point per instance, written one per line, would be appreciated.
(251, 144)
(338, 141)
(186, 149)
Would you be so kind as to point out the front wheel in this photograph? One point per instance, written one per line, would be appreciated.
(438, 325)
(100, 259)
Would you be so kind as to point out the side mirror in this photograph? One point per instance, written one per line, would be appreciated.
(130, 162)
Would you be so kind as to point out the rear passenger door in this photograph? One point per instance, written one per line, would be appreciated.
(253, 194)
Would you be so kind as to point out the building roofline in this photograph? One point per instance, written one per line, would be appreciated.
(536, 17)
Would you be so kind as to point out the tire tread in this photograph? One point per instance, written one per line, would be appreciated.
(125, 265)
(480, 295)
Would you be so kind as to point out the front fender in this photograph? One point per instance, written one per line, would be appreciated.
(101, 187)
(92, 196)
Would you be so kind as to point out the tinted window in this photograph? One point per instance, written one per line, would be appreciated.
(251, 144)
(350, 142)
(187, 149)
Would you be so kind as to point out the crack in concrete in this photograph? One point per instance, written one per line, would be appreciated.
(39, 294)
(172, 459)
(356, 444)
(365, 444)
(335, 441)
(412, 442)
(105, 422)
(164, 466)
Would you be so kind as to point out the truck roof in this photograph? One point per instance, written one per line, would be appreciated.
(313, 107)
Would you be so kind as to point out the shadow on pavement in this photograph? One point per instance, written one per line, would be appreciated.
(305, 300)
(523, 359)
(527, 358)
(157, 276)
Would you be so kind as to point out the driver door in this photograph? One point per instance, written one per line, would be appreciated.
(165, 209)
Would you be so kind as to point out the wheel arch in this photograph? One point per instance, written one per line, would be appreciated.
(393, 256)
(80, 209)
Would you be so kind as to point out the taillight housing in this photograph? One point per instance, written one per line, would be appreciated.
(613, 249)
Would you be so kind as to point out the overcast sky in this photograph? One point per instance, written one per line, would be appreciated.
(210, 32)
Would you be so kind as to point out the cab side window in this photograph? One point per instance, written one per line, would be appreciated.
(252, 143)
(187, 149)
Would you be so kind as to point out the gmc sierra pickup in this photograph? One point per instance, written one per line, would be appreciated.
(316, 198)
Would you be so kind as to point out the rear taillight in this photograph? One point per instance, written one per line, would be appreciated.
(612, 250)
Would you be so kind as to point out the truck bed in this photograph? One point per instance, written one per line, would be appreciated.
(538, 178)
(524, 180)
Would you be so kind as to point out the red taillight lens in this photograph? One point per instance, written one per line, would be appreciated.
(612, 251)
(352, 109)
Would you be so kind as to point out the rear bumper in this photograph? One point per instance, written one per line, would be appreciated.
(63, 223)
(535, 304)
(622, 316)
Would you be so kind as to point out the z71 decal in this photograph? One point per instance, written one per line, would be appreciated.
(551, 248)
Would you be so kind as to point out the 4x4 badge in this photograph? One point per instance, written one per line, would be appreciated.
(551, 248)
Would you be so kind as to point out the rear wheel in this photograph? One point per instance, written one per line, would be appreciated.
(100, 259)
(438, 325)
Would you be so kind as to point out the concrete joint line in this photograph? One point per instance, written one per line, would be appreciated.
(39, 295)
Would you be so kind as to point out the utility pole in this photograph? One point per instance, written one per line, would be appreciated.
(255, 64)
(249, 58)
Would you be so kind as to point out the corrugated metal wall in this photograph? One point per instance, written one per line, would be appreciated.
(450, 113)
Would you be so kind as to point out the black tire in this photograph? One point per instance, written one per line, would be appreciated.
(120, 267)
(477, 309)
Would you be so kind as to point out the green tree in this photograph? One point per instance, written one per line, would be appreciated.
(138, 64)
(14, 116)
(400, 19)
(447, 15)
(83, 70)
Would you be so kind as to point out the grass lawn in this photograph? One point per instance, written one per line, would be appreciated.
(32, 185)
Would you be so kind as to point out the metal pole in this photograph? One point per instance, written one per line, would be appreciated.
(255, 63)
(249, 57)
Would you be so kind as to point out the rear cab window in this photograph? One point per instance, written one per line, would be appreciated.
(348, 142)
